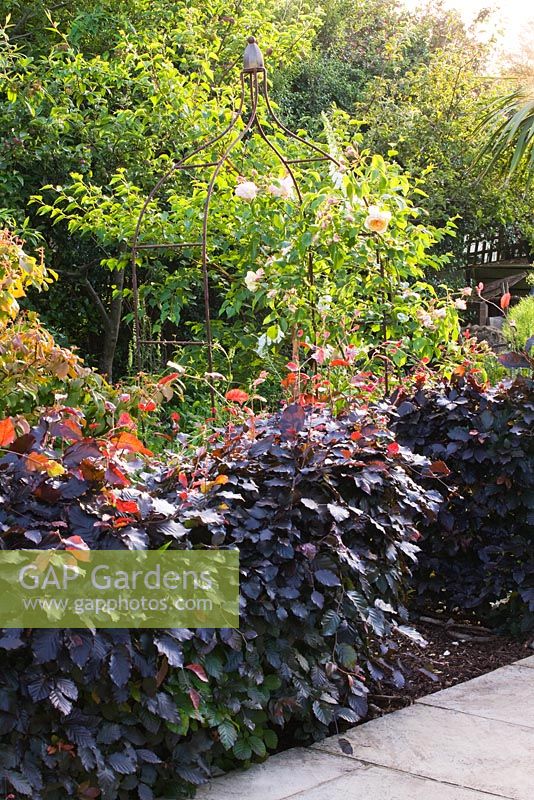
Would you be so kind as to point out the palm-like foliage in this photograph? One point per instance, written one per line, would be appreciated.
(510, 120)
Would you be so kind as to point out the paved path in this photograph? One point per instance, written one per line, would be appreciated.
(474, 741)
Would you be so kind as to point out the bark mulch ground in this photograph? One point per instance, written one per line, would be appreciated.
(457, 651)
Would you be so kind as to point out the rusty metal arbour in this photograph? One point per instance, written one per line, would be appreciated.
(254, 81)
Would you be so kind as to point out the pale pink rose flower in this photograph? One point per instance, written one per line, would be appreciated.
(252, 279)
(246, 191)
(282, 188)
(377, 221)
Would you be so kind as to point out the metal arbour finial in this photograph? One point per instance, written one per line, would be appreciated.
(253, 69)
(253, 58)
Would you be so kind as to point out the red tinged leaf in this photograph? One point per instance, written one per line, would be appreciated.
(7, 432)
(195, 698)
(393, 448)
(292, 366)
(199, 671)
(439, 468)
(149, 406)
(339, 362)
(356, 436)
(130, 443)
(127, 506)
(115, 477)
(292, 420)
(67, 429)
(237, 396)
(87, 792)
(92, 471)
(168, 378)
(80, 550)
(505, 300)
(75, 542)
(125, 421)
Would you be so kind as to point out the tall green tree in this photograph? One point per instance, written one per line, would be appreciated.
(106, 87)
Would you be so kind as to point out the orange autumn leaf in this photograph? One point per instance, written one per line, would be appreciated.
(129, 442)
(127, 506)
(505, 300)
(38, 462)
(79, 549)
(91, 471)
(150, 405)
(289, 380)
(7, 432)
(237, 396)
(168, 378)
(122, 522)
(339, 362)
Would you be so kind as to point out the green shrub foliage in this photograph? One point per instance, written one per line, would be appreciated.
(479, 552)
(519, 324)
(323, 512)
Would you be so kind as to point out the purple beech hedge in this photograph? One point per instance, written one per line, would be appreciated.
(328, 515)
(478, 553)
(325, 513)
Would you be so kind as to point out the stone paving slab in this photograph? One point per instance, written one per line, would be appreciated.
(474, 741)
(526, 662)
(448, 746)
(506, 695)
(379, 783)
(282, 775)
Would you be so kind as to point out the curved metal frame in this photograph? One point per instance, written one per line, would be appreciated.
(258, 89)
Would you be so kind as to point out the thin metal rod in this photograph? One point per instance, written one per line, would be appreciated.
(307, 160)
(167, 244)
(290, 133)
(172, 341)
(178, 165)
(324, 156)
(211, 187)
(385, 320)
(287, 165)
(281, 158)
